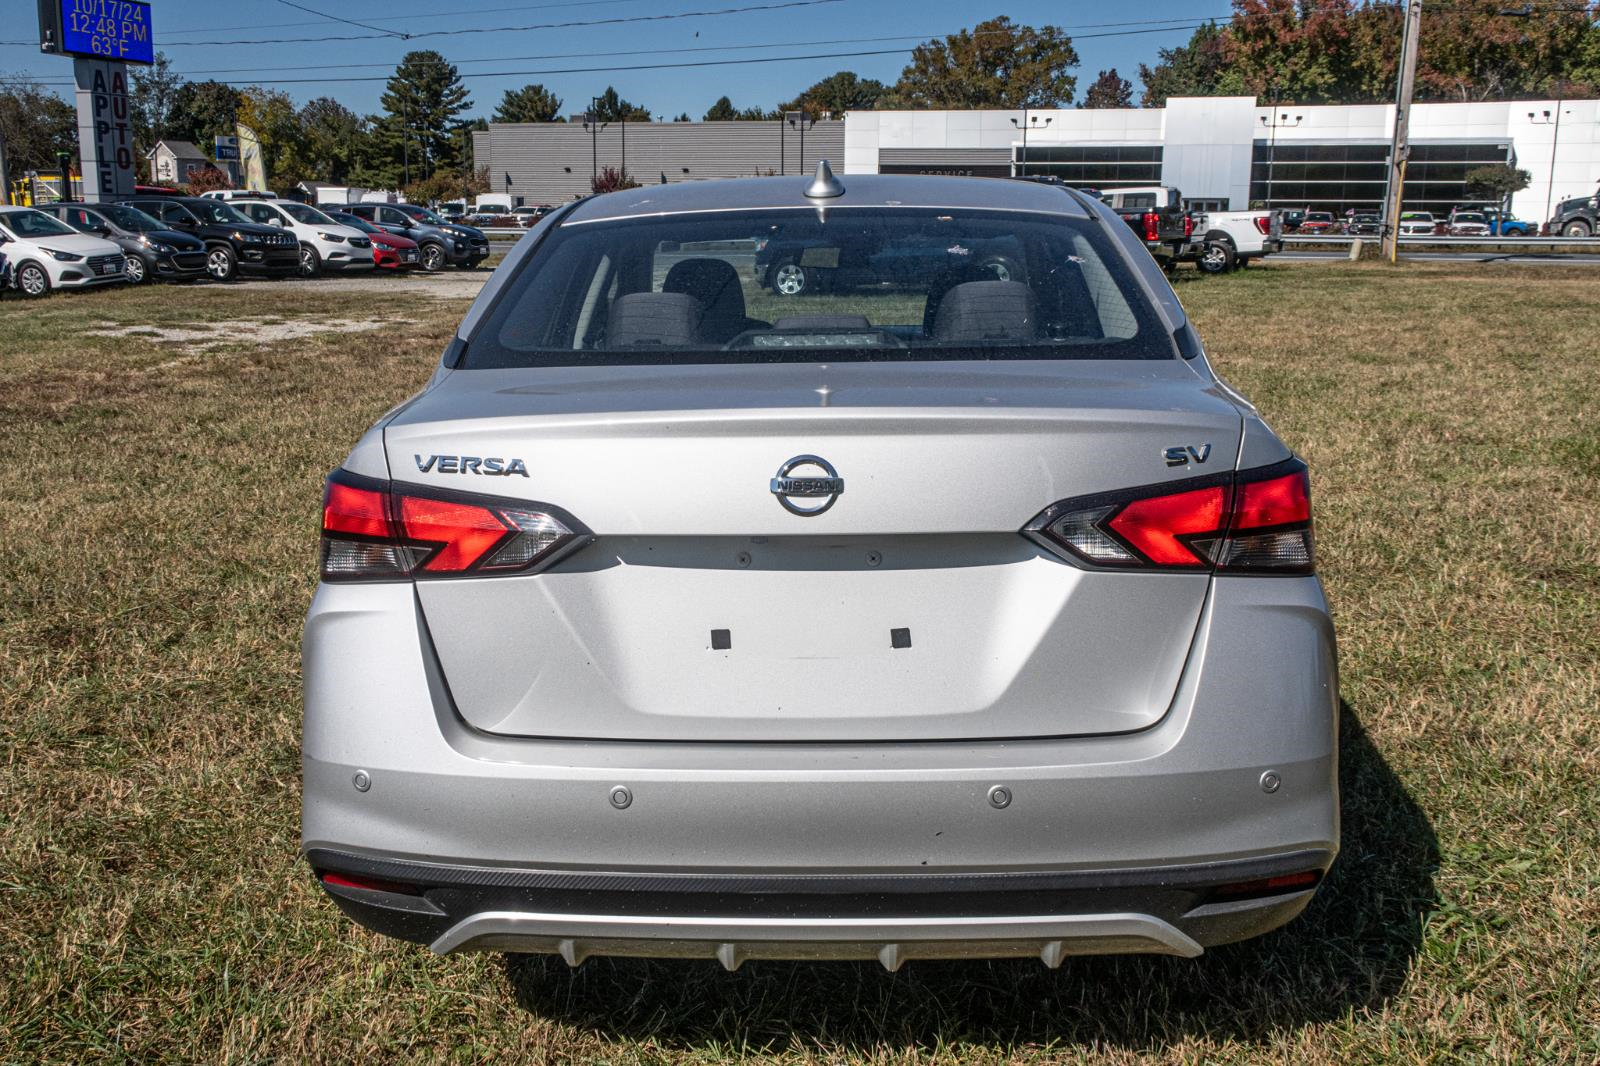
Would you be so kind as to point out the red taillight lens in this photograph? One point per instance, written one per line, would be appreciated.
(1156, 527)
(1263, 224)
(1152, 226)
(368, 884)
(1254, 522)
(372, 530)
(1188, 225)
(1267, 886)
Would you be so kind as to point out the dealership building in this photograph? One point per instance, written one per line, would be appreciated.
(1222, 152)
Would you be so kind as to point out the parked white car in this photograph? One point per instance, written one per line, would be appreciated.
(239, 194)
(324, 243)
(1233, 238)
(45, 253)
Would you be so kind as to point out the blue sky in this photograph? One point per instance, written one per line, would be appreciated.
(1106, 35)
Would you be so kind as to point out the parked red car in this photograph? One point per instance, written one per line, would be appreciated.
(390, 251)
(1317, 222)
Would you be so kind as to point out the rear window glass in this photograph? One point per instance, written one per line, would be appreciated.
(847, 284)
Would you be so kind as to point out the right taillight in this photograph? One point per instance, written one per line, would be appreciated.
(1254, 521)
(376, 530)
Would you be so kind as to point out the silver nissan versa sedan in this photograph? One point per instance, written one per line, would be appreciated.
(955, 611)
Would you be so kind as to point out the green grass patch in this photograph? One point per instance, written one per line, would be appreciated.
(158, 514)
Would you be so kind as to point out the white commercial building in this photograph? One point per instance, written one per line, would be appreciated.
(1223, 152)
(1229, 152)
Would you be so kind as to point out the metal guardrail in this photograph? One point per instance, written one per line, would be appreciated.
(1457, 242)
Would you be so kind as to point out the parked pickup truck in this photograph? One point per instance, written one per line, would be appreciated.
(1157, 214)
(1229, 239)
(1499, 223)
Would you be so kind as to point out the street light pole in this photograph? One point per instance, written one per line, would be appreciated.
(1027, 122)
(1400, 145)
(1550, 186)
(799, 120)
(1272, 122)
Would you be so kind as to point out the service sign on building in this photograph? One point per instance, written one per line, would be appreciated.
(117, 30)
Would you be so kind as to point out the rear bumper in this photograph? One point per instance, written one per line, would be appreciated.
(1105, 843)
(732, 918)
(1272, 246)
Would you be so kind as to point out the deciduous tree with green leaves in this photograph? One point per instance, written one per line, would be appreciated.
(1497, 182)
(35, 124)
(996, 64)
(1192, 69)
(838, 94)
(202, 110)
(153, 95)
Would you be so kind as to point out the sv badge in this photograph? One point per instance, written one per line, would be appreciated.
(1184, 455)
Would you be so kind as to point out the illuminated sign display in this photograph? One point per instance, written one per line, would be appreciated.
(106, 29)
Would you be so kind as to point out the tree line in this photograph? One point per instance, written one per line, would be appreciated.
(1344, 51)
(1307, 51)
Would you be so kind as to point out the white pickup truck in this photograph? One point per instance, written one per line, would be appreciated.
(1230, 239)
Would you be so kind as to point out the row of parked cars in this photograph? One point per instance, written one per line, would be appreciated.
(1466, 220)
(179, 238)
(493, 218)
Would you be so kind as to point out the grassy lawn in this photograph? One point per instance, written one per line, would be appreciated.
(157, 534)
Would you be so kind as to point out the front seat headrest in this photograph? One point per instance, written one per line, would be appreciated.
(715, 284)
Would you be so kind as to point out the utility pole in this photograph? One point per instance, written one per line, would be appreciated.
(5, 173)
(1400, 147)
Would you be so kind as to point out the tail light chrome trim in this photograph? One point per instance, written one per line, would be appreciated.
(375, 530)
(1251, 522)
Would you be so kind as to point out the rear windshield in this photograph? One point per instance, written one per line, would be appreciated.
(843, 285)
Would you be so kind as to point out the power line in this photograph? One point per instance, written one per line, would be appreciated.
(404, 18)
(337, 18)
(1555, 7)
(1172, 25)
(630, 66)
(572, 24)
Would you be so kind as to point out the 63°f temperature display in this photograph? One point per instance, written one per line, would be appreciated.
(107, 29)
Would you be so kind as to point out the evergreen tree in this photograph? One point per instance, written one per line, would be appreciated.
(531, 103)
(419, 131)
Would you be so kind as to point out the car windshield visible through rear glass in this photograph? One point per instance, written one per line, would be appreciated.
(345, 219)
(130, 218)
(216, 211)
(846, 285)
(35, 224)
(421, 214)
(307, 214)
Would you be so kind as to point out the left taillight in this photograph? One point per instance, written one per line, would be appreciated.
(376, 530)
(1254, 521)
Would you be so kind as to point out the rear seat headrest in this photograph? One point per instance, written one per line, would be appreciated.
(987, 311)
(667, 319)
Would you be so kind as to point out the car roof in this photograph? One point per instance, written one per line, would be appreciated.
(860, 190)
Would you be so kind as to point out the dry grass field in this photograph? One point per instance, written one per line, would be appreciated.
(158, 511)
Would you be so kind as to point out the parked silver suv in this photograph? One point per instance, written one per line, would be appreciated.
(925, 617)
